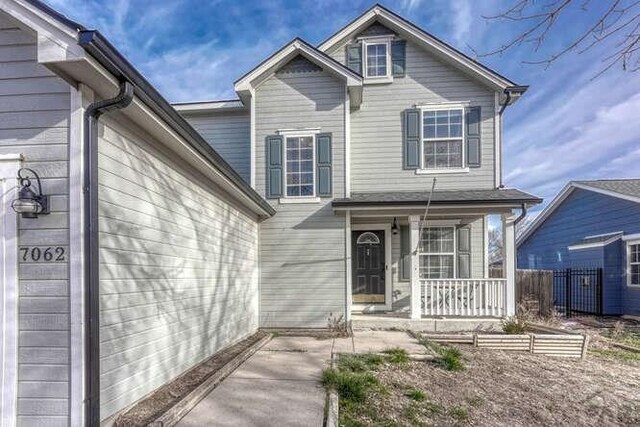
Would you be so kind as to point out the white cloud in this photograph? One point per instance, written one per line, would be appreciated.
(462, 19)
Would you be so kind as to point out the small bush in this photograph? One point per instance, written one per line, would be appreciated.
(398, 356)
(450, 359)
(459, 412)
(351, 386)
(514, 326)
(417, 395)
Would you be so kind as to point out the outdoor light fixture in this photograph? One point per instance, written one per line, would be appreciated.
(28, 203)
(394, 228)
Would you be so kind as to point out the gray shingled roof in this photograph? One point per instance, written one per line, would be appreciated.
(627, 187)
(419, 198)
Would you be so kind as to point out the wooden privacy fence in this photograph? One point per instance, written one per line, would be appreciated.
(534, 291)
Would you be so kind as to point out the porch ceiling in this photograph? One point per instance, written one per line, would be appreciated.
(498, 197)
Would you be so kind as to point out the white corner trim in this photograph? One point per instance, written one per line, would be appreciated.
(497, 139)
(9, 166)
(347, 258)
(347, 144)
(79, 99)
(441, 171)
(252, 125)
(299, 200)
(627, 263)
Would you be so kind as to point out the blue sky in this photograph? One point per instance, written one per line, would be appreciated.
(569, 125)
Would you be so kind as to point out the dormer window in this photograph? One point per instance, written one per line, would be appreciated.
(377, 59)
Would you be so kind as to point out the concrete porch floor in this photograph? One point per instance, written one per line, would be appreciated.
(402, 321)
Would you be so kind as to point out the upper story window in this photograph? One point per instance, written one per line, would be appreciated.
(443, 138)
(633, 259)
(299, 167)
(377, 58)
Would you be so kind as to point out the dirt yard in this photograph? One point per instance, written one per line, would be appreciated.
(498, 388)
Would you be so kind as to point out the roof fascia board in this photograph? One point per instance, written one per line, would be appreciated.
(287, 53)
(213, 106)
(56, 41)
(434, 45)
(608, 192)
(594, 245)
(557, 201)
(338, 206)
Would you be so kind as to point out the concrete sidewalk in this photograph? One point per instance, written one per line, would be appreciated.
(280, 384)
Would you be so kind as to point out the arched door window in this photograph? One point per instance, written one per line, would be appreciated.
(368, 238)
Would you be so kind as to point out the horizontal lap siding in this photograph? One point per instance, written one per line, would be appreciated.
(581, 214)
(34, 116)
(229, 134)
(376, 128)
(178, 267)
(302, 247)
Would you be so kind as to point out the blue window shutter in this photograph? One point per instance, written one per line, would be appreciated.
(398, 58)
(354, 57)
(473, 120)
(323, 164)
(464, 252)
(275, 150)
(411, 137)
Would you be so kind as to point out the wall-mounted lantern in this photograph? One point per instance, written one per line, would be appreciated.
(29, 203)
(394, 227)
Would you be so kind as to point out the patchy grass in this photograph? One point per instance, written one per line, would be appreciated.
(615, 354)
(399, 356)
(495, 388)
(450, 359)
(416, 394)
(624, 337)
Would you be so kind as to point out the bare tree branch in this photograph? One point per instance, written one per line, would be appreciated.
(619, 20)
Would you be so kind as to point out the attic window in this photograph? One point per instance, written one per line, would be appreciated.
(377, 59)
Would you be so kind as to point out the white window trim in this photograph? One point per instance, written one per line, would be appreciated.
(628, 262)
(438, 107)
(454, 253)
(299, 199)
(376, 79)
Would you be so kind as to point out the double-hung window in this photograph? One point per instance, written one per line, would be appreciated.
(633, 259)
(377, 60)
(299, 166)
(437, 253)
(443, 138)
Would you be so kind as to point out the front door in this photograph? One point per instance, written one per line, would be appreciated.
(368, 267)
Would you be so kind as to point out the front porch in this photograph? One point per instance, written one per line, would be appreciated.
(410, 272)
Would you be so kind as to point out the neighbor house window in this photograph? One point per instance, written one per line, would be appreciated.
(442, 143)
(376, 55)
(299, 170)
(437, 253)
(634, 264)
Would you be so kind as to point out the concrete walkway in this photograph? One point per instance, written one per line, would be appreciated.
(280, 384)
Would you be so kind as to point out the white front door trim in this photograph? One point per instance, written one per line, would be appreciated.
(388, 285)
(9, 165)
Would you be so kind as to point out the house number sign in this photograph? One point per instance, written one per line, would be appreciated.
(43, 254)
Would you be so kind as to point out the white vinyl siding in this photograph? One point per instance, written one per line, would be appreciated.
(302, 247)
(376, 128)
(34, 122)
(178, 266)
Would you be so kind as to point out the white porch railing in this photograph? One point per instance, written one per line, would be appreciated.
(463, 297)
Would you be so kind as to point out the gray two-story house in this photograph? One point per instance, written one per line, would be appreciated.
(345, 140)
(351, 180)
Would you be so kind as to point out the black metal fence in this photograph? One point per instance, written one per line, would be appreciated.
(578, 291)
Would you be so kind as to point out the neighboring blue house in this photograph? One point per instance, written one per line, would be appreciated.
(591, 224)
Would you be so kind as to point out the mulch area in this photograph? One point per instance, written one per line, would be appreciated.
(515, 389)
(165, 397)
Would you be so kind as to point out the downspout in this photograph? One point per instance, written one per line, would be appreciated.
(522, 215)
(91, 248)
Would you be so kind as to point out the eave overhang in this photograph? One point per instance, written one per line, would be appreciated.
(245, 86)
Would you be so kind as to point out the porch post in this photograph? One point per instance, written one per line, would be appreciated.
(414, 230)
(347, 259)
(509, 260)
